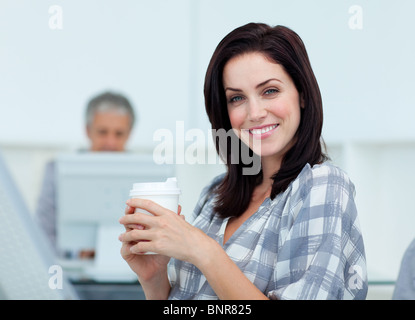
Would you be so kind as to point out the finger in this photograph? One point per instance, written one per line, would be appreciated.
(148, 205)
(135, 226)
(137, 218)
(142, 247)
(126, 249)
(135, 235)
(129, 210)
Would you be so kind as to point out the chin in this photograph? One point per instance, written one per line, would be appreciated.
(264, 150)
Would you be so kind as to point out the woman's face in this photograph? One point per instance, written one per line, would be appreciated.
(263, 104)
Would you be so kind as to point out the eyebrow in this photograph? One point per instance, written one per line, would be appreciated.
(258, 86)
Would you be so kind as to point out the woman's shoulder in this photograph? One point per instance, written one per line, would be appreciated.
(322, 175)
(207, 193)
(410, 251)
(324, 171)
(210, 187)
(327, 169)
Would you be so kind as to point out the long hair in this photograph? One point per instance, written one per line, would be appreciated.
(283, 46)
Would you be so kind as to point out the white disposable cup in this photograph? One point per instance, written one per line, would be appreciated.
(166, 194)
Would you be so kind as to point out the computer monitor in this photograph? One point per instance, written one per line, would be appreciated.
(29, 268)
(92, 189)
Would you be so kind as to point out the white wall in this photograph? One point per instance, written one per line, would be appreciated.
(364, 74)
(156, 52)
(140, 48)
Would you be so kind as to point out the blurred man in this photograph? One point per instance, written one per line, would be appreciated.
(109, 120)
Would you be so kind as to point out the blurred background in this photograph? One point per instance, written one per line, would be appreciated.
(55, 55)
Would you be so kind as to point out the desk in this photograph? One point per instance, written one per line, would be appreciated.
(92, 290)
(83, 277)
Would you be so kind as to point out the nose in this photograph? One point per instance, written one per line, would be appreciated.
(256, 110)
(111, 143)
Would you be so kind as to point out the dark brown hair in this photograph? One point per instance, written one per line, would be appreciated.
(283, 46)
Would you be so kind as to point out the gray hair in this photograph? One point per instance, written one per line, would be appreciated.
(109, 101)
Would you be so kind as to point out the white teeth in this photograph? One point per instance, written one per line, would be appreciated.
(263, 130)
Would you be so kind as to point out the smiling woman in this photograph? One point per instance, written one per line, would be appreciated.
(265, 108)
(273, 64)
(289, 231)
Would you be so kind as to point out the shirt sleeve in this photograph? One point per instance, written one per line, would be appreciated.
(322, 256)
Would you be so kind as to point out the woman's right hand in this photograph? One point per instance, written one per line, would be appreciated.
(146, 266)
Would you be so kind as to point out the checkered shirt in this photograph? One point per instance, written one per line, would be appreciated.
(306, 243)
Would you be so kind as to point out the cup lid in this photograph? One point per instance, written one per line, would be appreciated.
(152, 188)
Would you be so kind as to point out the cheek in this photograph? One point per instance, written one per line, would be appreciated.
(294, 113)
(288, 111)
(236, 117)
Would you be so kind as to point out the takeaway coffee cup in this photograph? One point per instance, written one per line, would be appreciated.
(166, 194)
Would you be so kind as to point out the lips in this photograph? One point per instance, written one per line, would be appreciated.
(263, 129)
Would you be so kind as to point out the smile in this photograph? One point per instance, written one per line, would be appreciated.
(262, 130)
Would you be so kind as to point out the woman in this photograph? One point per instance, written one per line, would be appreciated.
(289, 231)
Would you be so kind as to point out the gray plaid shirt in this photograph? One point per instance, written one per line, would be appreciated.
(304, 244)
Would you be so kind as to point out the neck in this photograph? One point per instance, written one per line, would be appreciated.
(269, 167)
